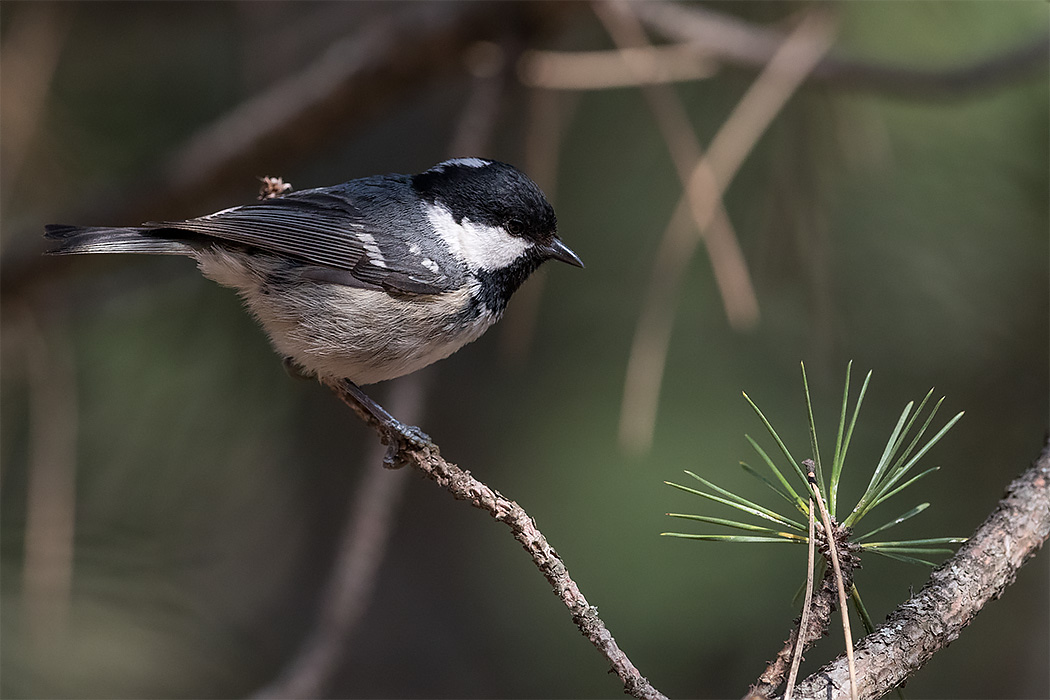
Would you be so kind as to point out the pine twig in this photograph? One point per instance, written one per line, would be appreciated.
(807, 602)
(956, 592)
(840, 583)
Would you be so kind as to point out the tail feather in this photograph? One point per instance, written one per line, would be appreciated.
(73, 240)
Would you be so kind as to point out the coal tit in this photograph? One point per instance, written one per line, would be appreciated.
(371, 279)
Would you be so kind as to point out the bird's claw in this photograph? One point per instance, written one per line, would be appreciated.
(399, 437)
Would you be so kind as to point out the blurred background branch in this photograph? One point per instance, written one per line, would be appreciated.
(747, 45)
(705, 179)
(373, 515)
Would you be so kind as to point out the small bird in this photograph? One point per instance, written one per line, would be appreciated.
(371, 279)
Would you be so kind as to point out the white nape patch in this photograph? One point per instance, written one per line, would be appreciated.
(465, 162)
(375, 255)
(479, 246)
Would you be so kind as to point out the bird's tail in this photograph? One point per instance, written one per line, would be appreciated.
(72, 240)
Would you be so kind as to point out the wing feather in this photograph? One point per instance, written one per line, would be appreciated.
(330, 228)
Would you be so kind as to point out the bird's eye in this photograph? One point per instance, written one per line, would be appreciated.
(515, 227)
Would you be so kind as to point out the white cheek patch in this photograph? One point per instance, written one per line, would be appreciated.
(480, 246)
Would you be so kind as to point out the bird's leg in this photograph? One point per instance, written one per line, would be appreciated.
(393, 432)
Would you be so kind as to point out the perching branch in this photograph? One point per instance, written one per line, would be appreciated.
(465, 487)
(957, 590)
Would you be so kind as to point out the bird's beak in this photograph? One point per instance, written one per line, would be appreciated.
(559, 251)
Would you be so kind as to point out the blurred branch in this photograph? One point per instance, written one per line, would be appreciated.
(957, 590)
(625, 67)
(652, 337)
(362, 547)
(706, 178)
(47, 572)
(704, 197)
(735, 41)
(30, 52)
(465, 487)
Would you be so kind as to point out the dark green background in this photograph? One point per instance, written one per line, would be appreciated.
(907, 234)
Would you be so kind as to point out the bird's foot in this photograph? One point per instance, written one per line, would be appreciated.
(399, 437)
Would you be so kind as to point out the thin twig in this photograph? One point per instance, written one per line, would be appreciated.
(465, 487)
(840, 583)
(956, 592)
(807, 602)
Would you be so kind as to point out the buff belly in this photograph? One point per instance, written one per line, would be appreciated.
(339, 332)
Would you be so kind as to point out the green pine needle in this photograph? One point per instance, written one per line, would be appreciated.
(801, 505)
(910, 550)
(883, 498)
(783, 519)
(736, 525)
(836, 460)
(852, 423)
(896, 476)
(891, 447)
(904, 558)
(812, 431)
(918, 436)
(899, 457)
(758, 511)
(731, 538)
(869, 626)
(896, 521)
(909, 543)
(773, 487)
(780, 443)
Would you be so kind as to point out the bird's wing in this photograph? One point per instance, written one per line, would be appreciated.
(327, 229)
